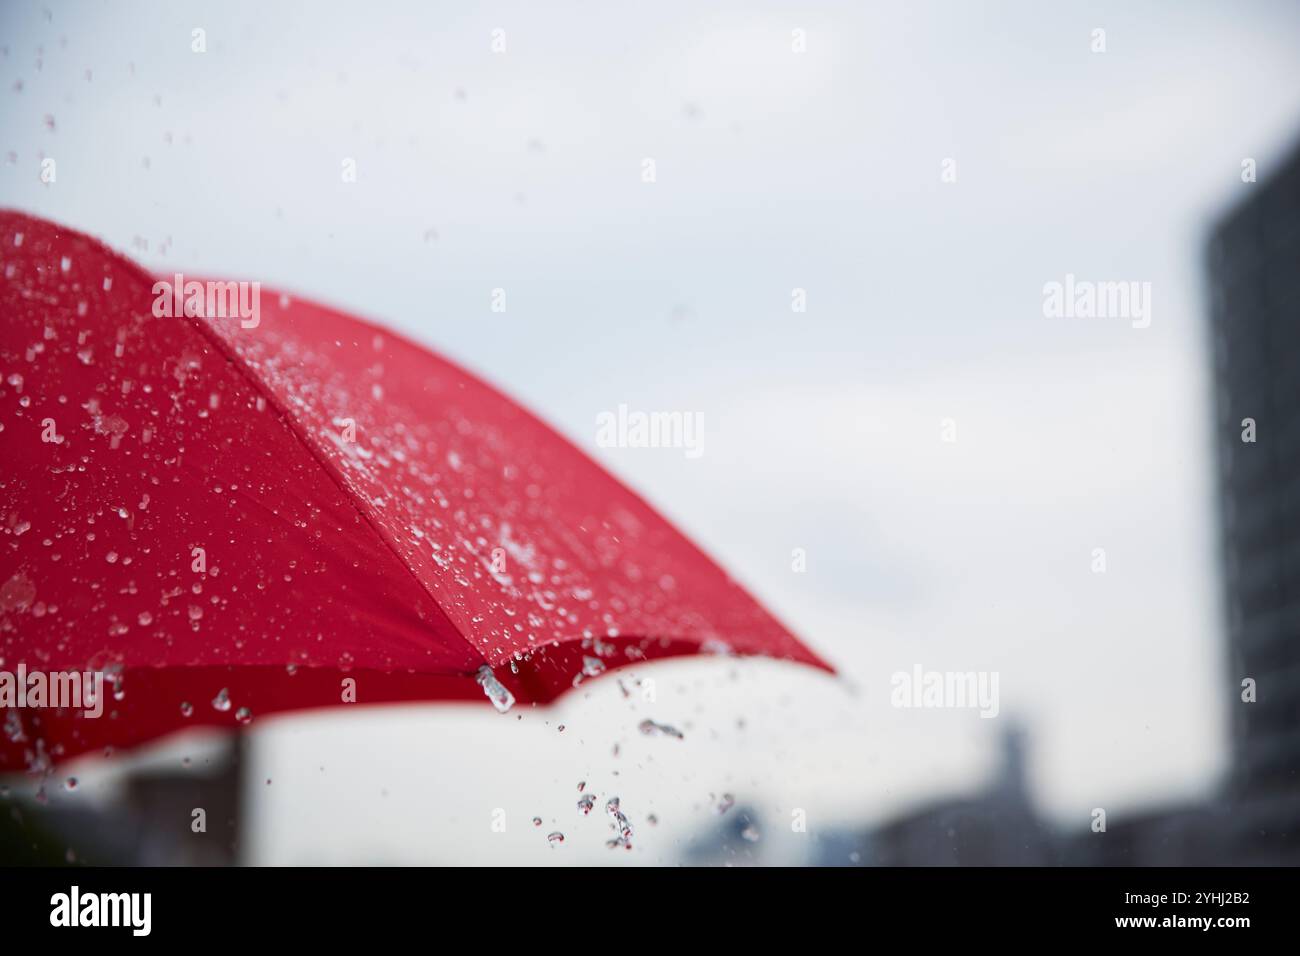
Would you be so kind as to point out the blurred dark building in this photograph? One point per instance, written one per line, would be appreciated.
(1254, 267)
(150, 823)
(734, 841)
(995, 827)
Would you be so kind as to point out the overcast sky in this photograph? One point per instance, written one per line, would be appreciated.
(775, 170)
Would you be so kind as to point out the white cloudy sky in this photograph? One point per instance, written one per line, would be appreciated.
(775, 171)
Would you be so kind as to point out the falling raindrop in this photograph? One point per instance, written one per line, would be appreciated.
(495, 691)
(652, 729)
(621, 824)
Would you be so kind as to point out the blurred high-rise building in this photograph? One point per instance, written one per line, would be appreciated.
(1254, 265)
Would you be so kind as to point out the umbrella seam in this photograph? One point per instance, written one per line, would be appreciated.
(296, 431)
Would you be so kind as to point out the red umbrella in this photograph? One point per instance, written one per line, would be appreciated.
(291, 508)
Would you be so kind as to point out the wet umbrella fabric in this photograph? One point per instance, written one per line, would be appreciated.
(232, 517)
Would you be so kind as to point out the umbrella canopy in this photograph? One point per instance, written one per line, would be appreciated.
(290, 508)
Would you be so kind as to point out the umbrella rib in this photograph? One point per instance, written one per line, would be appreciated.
(295, 429)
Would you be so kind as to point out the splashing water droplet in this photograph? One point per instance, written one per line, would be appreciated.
(621, 825)
(652, 729)
(494, 690)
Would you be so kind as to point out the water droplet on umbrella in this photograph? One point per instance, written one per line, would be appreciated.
(726, 803)
(555, 838)
(14, 727)
(244, 715)
(222, 701)
(750, 833)
(187, 708)
(537, 821)
(586, 803)
(70, 783)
